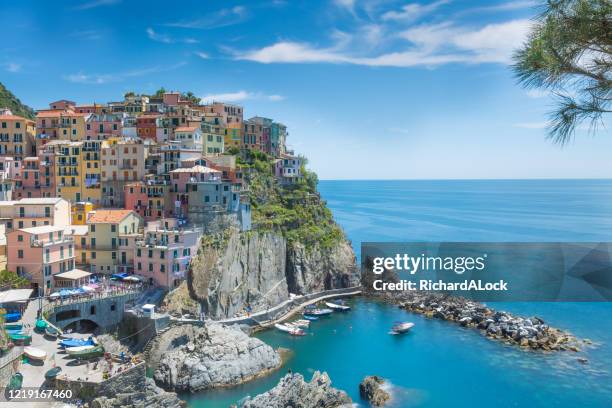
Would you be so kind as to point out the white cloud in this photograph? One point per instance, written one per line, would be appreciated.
(221, 18)
(202, 55)
(413, 11)
(100, 79)
(12, 67)
(241, 96)
(96, 3)
(429, 45)
(166, 39)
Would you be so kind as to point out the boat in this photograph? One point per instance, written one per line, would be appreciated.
(294, 331)
(317, 312)
(40, 326)
(51, 331)
(20, 336)
(311, 318)
(89, 352)
(12, 317)
(78, 349)
(52, 373)
(15, 381)
(401, 327)
(301, 323)
(75, 342)
(339, 306)
(35, 353)
(13, 326)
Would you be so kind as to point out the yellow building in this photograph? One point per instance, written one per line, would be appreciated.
(77, 170)
(80, 211)
(112, 240)
(72, 126)
(16, 136)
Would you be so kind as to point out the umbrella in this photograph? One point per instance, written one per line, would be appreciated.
(87, 288)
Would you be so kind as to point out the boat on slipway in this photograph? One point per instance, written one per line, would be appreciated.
(35, 353)
(338, 306)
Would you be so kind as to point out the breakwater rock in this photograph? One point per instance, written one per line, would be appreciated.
(528, 332)
(371, 390)
(192, 358)
(151, 397)
(293, 391)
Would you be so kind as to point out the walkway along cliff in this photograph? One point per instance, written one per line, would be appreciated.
(294, 247)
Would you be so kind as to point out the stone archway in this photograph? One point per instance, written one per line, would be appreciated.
(82, 326)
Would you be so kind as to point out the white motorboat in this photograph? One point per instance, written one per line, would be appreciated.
(338, 307)
(301, 323)
(401, 327)
(317, 312)
(35, 353)
(294, 331)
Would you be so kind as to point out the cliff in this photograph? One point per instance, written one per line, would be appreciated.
(295, 247)
(8, 100)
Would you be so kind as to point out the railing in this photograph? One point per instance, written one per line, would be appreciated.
(12, 355)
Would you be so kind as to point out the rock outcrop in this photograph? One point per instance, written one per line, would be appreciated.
(370, 389)
(293, 391)
(191, 358)
(151, 397)
(259, 269)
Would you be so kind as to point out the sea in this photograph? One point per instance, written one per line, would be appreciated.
(440, 364)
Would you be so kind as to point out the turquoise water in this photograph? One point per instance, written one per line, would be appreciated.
(440, 364)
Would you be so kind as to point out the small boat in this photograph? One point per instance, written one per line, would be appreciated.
(15, 381)
(401, 327)
(74, 342)
(12, 317)
(317, 312)
(19, 336)
(52, 373)
(51, 331)
(78, 349)
(339, 306)
(35, 353)
(87, 353)
(40, 326)
(311, 318)
(294, 331)
(301, 323)
(13, 326)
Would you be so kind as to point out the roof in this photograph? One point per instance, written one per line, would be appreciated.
(76, 230)
(40, 200)
(107, 216)
(49, 113)
(72, 275)
(186, 129)
(195, 169)
(42, 229)
(15, 295)
(12, 117)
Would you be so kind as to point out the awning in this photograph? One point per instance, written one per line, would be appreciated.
(15, 295)
(72, 275)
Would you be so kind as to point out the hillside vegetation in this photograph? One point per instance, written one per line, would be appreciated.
(8, 100)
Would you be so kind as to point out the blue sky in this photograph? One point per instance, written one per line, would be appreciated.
(378, 89)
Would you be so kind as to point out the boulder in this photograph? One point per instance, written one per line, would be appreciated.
(370, 389)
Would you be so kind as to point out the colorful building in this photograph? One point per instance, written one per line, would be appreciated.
(80, 211)
(123, 161)
(17, 136)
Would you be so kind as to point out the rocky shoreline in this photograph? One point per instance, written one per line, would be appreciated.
(293, 391)
(371, 390)
(191, 358)
(529, 333)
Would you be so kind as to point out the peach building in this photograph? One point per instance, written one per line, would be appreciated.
(37, 177)
(16, 136)
(164, 254)
(34, 212)
(38, 253)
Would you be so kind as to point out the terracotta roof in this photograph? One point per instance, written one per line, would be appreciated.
(12, 117)
(107, 216)
(49, 113)
(185, 129)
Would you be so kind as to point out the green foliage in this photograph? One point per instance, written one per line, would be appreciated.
(233, 150)
(8, 100)
(190, 96)
(569, 52)
(10, 280)
(160, 92)
(296, 211)
(129, 94)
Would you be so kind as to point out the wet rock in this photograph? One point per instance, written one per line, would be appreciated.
(292, 391)
(370, 389)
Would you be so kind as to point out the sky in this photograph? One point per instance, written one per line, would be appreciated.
(369, 89)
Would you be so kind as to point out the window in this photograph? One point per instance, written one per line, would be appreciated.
(92, 228)
(20, 253)
(92, 310)
(113, 228)
(150, 267)
(93, 255)
(20, 238)
(113, 306)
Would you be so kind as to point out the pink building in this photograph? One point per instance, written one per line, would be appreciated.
(38, 253)
(164, 254)
(150, 199)
(37, 177)
(103, 126)
(179, 179)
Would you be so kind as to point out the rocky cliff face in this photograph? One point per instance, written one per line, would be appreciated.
(293, 391)
(260, 269)
(190, 358)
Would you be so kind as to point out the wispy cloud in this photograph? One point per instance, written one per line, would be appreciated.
(413, 11)
(241, 96)
(96, 3)
(221, 18)
(167, 39)
(428, 45)
(202, 55)
(507, 6)
(90, 35)
(12, 67)
(100, 79)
